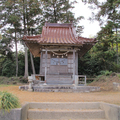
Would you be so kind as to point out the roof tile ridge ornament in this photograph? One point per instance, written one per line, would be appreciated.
(58, 24)
(73, 37)
(44, 37)
(76, 36)
(44, 34)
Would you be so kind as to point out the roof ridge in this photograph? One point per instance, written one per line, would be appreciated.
(59, 24)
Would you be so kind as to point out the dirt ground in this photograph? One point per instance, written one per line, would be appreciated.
(25, 96)
(106, 82)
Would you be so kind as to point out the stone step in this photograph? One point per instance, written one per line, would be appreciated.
(59, 85)
(65, 105)
(67, 119)
(58, 76)
(57, 81)
(57, 90)
(65, 114)
(65, 89)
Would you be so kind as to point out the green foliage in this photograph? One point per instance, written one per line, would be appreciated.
(106, 72)
(12, 80)
(28, 16)
(55, 11)
(8, 101)
(98, 77)
(21, 63)
(8, 68)
(7, 65)
(100, 57)
(105, 54)
(118, 75)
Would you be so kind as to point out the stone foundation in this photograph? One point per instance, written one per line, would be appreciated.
(62, 88)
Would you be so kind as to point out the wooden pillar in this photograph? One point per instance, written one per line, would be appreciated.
(73, 66)
(85, 79)
(76, 63)
(32, 63)
(41, 57)
(45, 64)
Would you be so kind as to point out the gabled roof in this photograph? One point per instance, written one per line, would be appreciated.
(56, 34)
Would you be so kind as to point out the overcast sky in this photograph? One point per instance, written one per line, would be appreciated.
(90, 28)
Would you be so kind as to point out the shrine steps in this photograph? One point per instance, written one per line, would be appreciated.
(65, 111)
(59, 79)
(68, 119)
(64, 88)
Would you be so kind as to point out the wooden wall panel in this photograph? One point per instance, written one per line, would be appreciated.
(61, 69)
(70, 63)
(58, 69)
(70, 55)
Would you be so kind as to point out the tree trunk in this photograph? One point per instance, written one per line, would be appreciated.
(26, 62)
(117, 46)
(24, 18)
(32, 63)
(26, 54)
(16, 54)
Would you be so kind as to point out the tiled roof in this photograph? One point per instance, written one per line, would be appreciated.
(53, 33)
(58, 34)
(87, 40)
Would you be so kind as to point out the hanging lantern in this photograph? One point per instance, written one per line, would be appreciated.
(66, 54)
(62, 56)
(57, 56)
(53, 55)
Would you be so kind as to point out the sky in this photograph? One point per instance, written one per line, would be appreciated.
(90, 28)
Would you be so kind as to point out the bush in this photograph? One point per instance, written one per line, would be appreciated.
(8, 101)
(106, 72)
(8, 68)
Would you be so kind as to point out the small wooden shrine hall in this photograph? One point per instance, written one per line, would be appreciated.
(58, 48)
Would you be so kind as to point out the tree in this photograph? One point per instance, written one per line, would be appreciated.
(108, 15)
(59, 11)
(7, 66)
(31, 11)
(11, 16)
(26, 17)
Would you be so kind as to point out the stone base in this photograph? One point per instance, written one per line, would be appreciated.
(44, 84)
(30, 90)
(63, 88)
